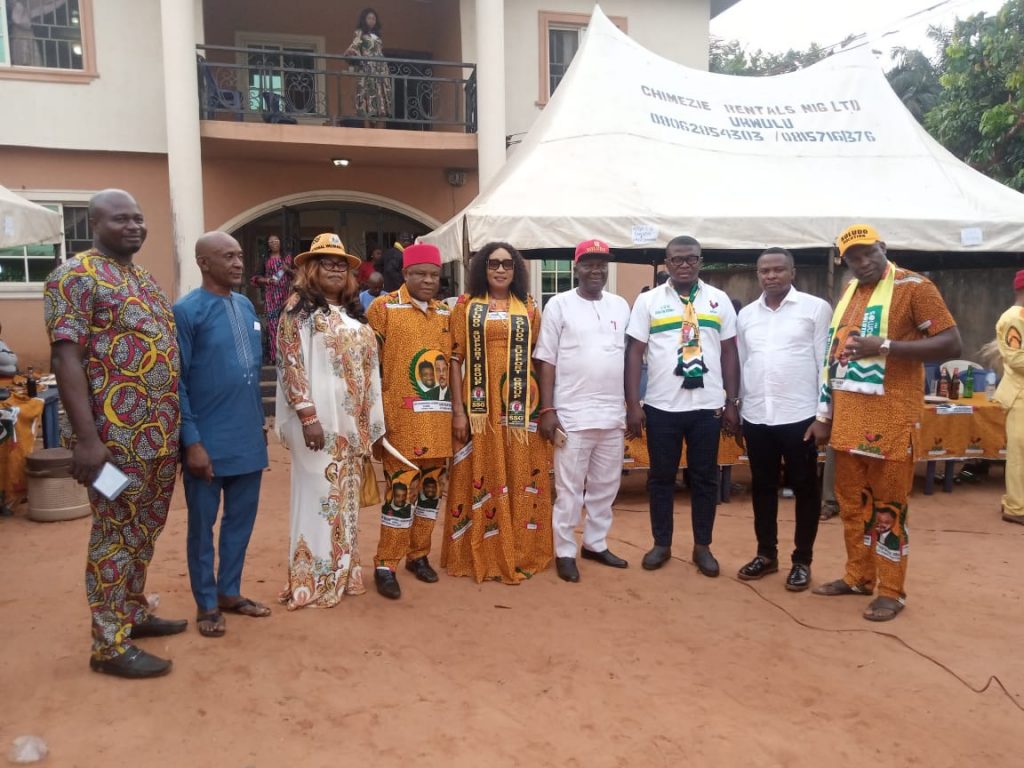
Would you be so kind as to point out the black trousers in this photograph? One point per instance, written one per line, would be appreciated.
(666, 431)
(767, 447)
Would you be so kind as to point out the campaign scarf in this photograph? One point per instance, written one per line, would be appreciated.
(689, 358)
(866, 375)
(517, 381)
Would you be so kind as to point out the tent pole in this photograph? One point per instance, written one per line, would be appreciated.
(830, 283)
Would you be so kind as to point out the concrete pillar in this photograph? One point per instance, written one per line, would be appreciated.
(184, 154)
(490, 77)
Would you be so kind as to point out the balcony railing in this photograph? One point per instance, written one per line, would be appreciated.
(277, 85)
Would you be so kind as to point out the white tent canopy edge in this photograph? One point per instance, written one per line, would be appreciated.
(635, 149)
(23, 222)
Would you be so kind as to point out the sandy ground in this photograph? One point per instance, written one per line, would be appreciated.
(626, 668)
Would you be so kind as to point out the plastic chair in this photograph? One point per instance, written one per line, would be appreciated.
(213, 97)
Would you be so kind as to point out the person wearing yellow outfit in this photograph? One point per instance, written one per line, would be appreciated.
(887, 323)
(415, 344)
(1010, 395)
(498, 520)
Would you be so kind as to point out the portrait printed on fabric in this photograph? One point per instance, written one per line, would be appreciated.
(428, 375)
(838, 359)
(397, 509)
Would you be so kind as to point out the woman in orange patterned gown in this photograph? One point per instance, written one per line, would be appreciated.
(498, 521)
(329, 414)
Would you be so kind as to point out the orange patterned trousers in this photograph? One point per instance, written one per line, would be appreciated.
(411, 504)
(872, 496)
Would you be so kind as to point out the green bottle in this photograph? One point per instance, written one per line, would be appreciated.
(969, 382)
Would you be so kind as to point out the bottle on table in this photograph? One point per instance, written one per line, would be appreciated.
(969, 383)
(990, 385)
(943, 388)
(31, 383)
(954, 385)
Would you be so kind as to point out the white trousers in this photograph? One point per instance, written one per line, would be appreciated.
(587, 474)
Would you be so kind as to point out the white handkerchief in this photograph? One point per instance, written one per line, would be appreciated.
(110, 481)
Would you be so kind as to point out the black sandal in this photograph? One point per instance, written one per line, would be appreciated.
(211, 624)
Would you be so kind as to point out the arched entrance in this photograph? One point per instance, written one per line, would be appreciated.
(362, 221)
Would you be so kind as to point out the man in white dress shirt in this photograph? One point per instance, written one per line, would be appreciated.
(782, 339)
(580, 356)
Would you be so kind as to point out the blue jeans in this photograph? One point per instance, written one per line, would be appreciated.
(241, 498)
(666, 431)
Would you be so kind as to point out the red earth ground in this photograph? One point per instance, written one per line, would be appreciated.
(626, 668)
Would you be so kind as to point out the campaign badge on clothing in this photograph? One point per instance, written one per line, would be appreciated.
(429, 377)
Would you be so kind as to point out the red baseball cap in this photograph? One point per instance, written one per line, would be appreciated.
(591, 246)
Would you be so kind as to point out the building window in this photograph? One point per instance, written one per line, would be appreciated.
(561, 35)
(32, 263)
(43, 34)
(556, 275)
(281, 73)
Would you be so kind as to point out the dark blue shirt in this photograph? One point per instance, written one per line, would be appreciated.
(221, 406)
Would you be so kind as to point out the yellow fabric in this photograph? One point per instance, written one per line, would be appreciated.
(478, 421)
(1010, 395)
(14, 454)
(1013, 499)
(867, 374)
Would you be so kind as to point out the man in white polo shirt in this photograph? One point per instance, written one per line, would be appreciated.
(580, 358)
(782, 339)
(688, 329)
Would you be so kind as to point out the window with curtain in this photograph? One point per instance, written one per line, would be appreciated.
(42, 33)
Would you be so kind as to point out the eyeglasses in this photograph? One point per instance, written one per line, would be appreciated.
(332, 265)
(678, 261)
(495, 264)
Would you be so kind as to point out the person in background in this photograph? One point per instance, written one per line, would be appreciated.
(688, 330)
(390, 265)
(8, 360)
(221, 429)
(412, 329)
(580, 354)
(276, 282)
(329, 414)
(374, 288)
(498, 521)
(781, 339)
(369, 266)
(888, 322)
(102, 313)
(374, 90)
(1010, 395)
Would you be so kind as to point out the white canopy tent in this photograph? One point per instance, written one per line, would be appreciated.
(22, 222)
(635, 149)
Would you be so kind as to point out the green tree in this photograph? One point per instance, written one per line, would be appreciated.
(980, 113)
(728, 57)
(915, 80)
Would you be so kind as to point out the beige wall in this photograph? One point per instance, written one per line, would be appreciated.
(121, 110)
(675, 29)
(144, 175)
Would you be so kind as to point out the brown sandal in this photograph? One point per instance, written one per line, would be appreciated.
(840, 587)
(246, 607)
(883, 609)
(211, 624)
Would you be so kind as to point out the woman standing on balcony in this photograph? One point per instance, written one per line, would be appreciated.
(374, 90)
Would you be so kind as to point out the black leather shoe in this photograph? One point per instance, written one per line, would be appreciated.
(757, 568)
(567, 570)
(154, 626)
(799, 578)
(656, 558)
(134, 663)
(704, 560)
(387, 583)
(604, 558)
(422, 569)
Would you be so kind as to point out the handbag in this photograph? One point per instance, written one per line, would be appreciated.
(369, 493)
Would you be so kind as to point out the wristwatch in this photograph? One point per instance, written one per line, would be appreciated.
(884, 349)
(735, 401)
